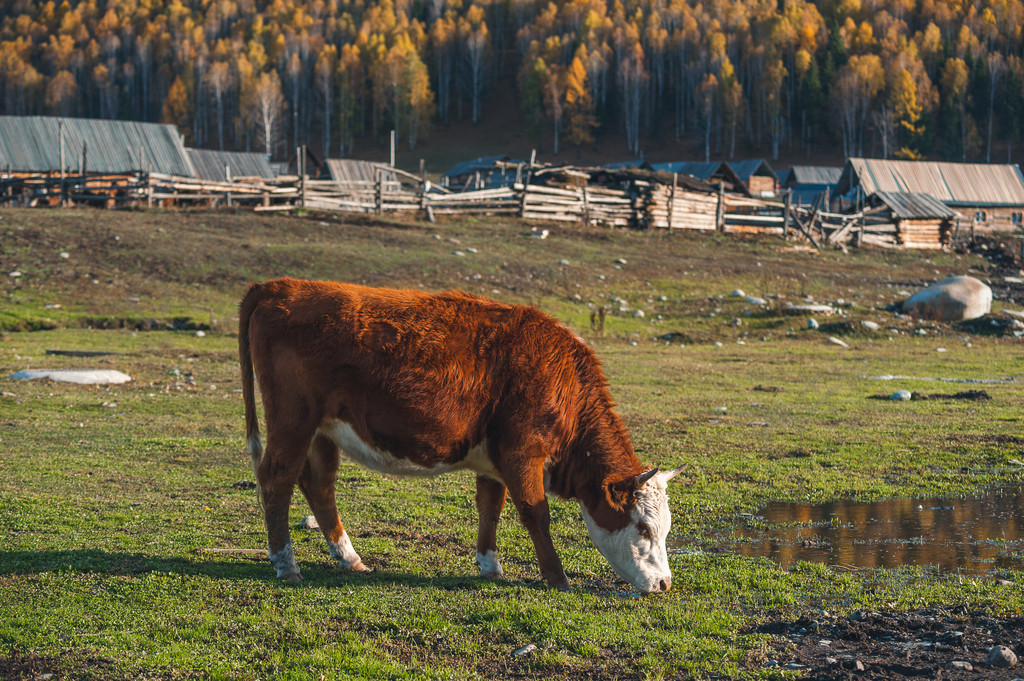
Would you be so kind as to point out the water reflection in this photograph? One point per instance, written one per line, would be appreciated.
(973, 536)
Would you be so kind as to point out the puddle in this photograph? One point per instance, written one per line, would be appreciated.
(975, 536)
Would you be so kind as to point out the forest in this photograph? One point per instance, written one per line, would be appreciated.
(941, 79)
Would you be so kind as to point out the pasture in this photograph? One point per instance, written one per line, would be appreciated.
(117, 502)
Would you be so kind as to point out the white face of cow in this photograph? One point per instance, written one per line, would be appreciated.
(637, 551)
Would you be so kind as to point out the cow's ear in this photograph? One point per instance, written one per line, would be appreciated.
(622, 494)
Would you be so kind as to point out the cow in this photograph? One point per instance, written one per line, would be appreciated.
(416, 384)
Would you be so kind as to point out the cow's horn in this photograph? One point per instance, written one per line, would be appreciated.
(668, 475)
(642, 479)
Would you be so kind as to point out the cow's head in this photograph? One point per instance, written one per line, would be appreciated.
(629, 524)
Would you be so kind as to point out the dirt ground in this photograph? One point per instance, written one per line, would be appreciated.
(920, 644)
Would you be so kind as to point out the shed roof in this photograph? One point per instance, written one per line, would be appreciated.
(214, 165)
(747, 169)
(347, 171)
(467, 167)
(700, 169)
(814, 175)
(954, 184)
(32, 144)
(910, 206)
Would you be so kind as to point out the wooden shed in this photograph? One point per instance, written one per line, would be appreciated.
(996, 190)
(910, 220)
(756, 177)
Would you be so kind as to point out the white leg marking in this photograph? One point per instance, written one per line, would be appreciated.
(490, 568)
(343, 552)
(284, 562)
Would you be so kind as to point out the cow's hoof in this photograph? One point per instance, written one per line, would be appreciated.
(359, 567)
(498, 574)
(293, 577)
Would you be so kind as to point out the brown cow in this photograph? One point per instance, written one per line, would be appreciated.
(409, 383)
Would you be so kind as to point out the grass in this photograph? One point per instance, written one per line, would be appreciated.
(108, 495)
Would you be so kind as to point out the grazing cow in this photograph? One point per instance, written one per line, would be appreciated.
(409, 383)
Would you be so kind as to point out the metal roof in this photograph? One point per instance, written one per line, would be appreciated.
(814, 175)
(747, 169)
(32, 144)
(954, 184)
(467, 167)
(910, 206)
(347, 172)
(700, 169)
(215, 165)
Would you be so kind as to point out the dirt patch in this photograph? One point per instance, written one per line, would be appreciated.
(918, 644)
(968, 395)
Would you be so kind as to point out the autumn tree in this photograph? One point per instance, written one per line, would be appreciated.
(579, 105)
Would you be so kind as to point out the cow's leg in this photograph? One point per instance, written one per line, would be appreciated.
(490, 498)
(317, 483)
(526, 488)
(276, 474)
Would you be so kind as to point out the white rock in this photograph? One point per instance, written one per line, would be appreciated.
(1002, 657)
(812, 323)
(868, 324)
(563, 261)
(470, 249)
(459, 253)
(754, 300)
(738, 293)
(200, 333)
(15, 274)
(309, 523)
(900, 396)
(83, 376)
(836, 341)
(639, 313)
(525, 650)
(953, 299)
(539, 233)
(809, 309)
(718, 344)
(620, 261)
(65, 255)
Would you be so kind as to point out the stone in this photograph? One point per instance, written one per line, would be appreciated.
(901, 396)
(525, 650)
(812, 324)
(963, 665)
(754, 300)
(563, 261)
(738, 293)
(868, 324)
(639, 314)
(82, 376)
(954, 299)
(835, 341)
(309, 523)
(809, 309)
(1001, 657)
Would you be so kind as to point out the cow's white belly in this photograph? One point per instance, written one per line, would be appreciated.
(382, 461)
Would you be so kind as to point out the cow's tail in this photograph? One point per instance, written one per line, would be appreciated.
(252, 422)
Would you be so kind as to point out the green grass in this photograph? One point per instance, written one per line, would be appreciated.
(108, 495)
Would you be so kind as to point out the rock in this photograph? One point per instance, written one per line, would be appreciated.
(459, 253)
(738, 293)
(1001, 657)
(809, 309)
(962, 665)
(836, 341)
(639, 314)
(309, 523)
(901, 396)
(470, 249)
(83, 376)
(620, 261)
(953, 299)
(754, 300)
(812, 324)
(867, 324)
(525, 650)
(536, 233)
(563, 261)
(718, 344)
(736, 321)
(200, 334)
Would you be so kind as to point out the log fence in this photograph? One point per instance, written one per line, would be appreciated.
(645, 205)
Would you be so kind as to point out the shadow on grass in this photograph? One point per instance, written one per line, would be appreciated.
(96, 561)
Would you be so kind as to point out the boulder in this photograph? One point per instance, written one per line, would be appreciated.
(954, 299)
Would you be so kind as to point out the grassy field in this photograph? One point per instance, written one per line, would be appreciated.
(112, 496)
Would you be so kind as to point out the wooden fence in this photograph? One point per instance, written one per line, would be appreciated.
(646, 204)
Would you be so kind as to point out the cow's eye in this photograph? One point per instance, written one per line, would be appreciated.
(645, 531)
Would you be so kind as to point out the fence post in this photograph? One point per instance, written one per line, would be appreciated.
(720, 211)
(672, 200)
(586, 207)
(378, 192)
(787, 213)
